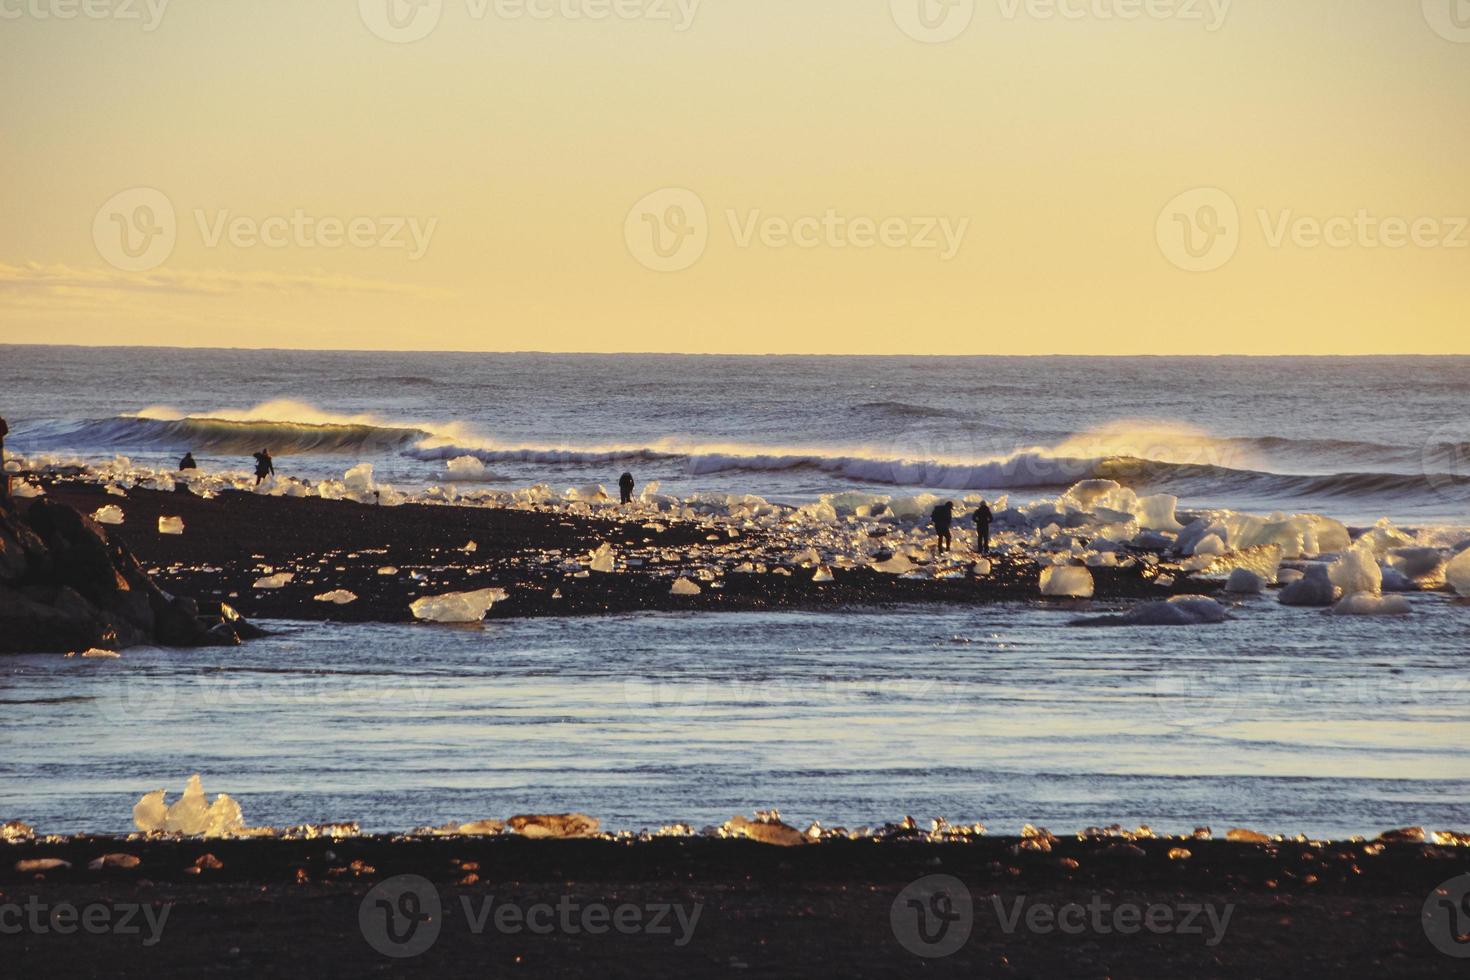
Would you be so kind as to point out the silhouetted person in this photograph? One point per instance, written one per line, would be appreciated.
(943, 517)
(4, 476)
(187, 463)
(983, 517)
(264, 466)
(625, 487)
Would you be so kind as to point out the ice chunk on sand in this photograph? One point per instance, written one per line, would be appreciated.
(339, 597)
(170, 525)
(277, 581)
(359, 479)
(899, 564)
(457, 607)
(1367, 604)
(465, 468)
(1457, 573)
(684, 587)
(25, 489)
(1156, 513)
(1315, 588)
(559, 825)
(1067, 581)
(190, 814)
(768, 830)
(149, 812)
(823, 574)
(111, 514)
(1246, 582)
(1357, 571)
(602, 560)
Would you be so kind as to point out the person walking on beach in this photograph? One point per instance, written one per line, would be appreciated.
(4, 476)
(187, 463)
(943, 517)
(625, 487)
(264, 466)
(983, 517)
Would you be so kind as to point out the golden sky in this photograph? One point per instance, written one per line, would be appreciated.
(788, 176)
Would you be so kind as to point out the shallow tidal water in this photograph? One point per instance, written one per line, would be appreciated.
(1279, 720)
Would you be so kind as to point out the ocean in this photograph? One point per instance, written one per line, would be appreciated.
(1287, 720)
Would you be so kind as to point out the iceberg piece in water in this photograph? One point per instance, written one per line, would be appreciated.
(1315, 588)
(1246, 582)
(1367, 604)
(111, 514)
(1357, 571)
(170, 525)
(1457, 573)
(457, 607)
(465, 468)
(1067, 581)
(1182, 610)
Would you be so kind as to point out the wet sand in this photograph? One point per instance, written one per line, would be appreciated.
(230, 541)
(291, 907)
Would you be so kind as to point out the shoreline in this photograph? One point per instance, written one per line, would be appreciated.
(539, 557)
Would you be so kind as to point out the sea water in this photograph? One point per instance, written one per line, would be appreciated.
(1284, 719)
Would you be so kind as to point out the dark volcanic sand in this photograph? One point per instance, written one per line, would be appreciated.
(341, 545)
(820, 910)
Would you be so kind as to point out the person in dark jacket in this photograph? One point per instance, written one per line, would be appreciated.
(4, 476)
(983, 517)
(264, 466)
(943, 517)
(625, 487)
(187, 463)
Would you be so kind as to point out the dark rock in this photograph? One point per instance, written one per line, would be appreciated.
(66, 586)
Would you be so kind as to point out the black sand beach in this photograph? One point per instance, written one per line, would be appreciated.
(230, 541)
(276, 907)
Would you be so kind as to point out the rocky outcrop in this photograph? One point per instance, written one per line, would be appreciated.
(66, 586)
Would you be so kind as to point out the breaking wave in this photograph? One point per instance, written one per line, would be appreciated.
(1158, 457)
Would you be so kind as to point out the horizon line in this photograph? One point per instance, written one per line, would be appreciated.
(749, 354)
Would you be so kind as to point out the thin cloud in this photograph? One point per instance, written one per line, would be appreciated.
(61, 280)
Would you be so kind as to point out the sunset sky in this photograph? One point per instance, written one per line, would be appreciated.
(823, 176)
